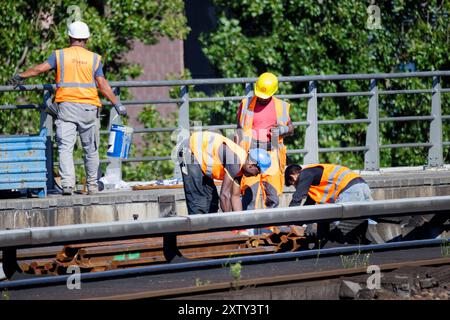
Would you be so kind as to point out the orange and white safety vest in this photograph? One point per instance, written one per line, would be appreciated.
(205, 147)
(75, 82)
(246, 123)
(334, 179)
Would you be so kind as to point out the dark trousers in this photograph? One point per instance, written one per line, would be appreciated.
(200, 191)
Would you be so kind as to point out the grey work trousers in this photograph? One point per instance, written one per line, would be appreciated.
(73, 118)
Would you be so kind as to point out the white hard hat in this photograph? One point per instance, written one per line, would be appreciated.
(78, 30)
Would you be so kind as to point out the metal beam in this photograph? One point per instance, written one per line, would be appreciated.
(219, 221)
(218, 81)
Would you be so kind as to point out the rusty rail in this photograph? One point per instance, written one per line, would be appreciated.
(109, 255)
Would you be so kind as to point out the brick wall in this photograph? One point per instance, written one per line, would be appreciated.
(157, 61)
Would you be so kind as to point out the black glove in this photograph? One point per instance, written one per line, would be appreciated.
(120, 109)
(16, 81)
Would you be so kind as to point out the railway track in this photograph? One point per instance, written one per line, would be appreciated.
(215, 288)
(211, 277)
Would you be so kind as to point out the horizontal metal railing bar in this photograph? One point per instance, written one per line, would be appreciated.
(406, 145)
(300, 123)
(215, 99)
(23, 106)
(406, 118)
(40, 236)
(343, 121)
(147, 130)
(133, 159)
(141, 102)
(344, 94)
(213, 127)
(342, 149)
(445, 117)
(154, 158)
(406, 91)
(446, 143)
(218, 81)
(294, 96)
(296, 151)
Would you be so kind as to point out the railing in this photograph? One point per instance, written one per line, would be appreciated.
(311, 148)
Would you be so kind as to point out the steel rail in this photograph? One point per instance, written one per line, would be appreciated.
(184, 266)
(273, 280)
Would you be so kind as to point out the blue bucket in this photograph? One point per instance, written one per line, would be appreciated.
(119, 142)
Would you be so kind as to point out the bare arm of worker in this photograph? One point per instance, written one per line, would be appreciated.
(225, 193)
(36, 70)
(300, 195)
(105, 89)
(238, 135)
(290, 129)
(236, 201)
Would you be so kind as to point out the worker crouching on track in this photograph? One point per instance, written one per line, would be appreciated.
(78, 73)
(330, 183)
(263, 121)
(206, 156)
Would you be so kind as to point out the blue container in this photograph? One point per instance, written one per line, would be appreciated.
(23, 163)
(119, 142)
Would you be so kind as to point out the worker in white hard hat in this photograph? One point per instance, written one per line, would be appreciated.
(78, 74)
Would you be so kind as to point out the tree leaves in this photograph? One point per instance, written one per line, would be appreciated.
(297, 37)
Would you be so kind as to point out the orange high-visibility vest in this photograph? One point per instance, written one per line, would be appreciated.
(205, 147)
(75, 82)
(334, 179)
(246, 123)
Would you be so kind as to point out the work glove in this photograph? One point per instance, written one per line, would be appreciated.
(16, 81)
(121, 110)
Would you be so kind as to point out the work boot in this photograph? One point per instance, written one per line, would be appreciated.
(67, 191)
(93, 190)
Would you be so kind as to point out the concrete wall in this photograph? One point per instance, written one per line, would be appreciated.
(150, 204)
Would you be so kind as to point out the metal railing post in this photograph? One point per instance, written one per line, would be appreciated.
(372, 156)
(46, 121)
(183, 124)
(249, 89)
(312, 131)
(435, 153)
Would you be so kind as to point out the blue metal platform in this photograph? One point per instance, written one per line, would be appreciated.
(23, 163)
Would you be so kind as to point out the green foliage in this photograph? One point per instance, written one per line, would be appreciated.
(236, 273)
(40, 27)
(298, 37)
(356, 260)
(445, 246)
(155, 144)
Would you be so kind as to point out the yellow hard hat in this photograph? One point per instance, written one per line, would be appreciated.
(266, 85)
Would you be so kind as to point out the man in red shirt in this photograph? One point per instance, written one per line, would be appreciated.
(263, 121)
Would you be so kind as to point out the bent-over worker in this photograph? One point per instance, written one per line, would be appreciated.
(330, 183)
(206, 156)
